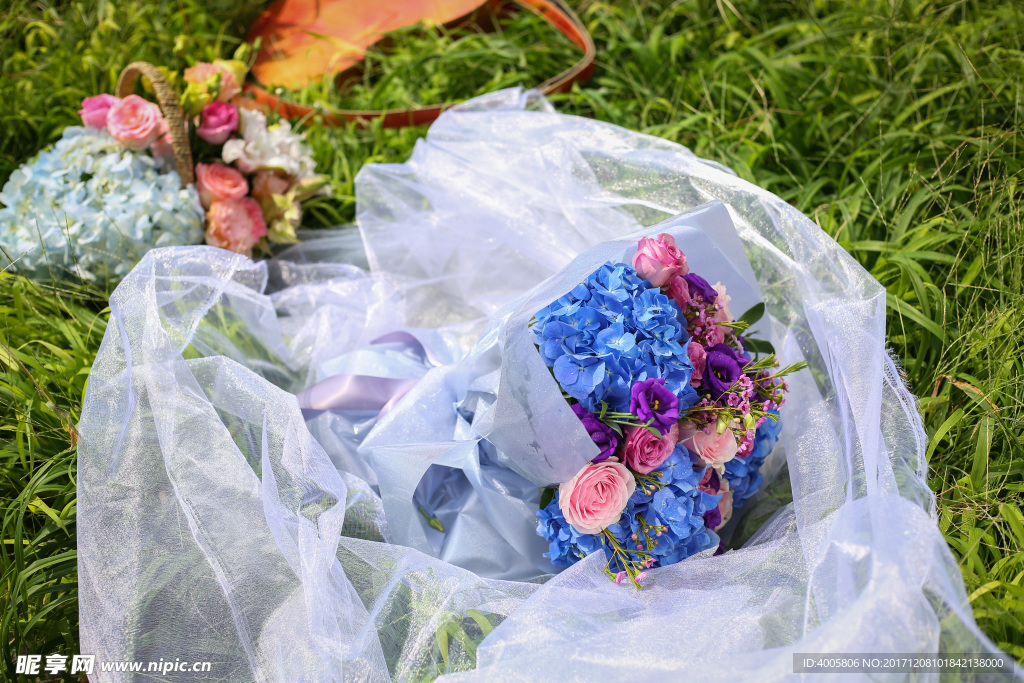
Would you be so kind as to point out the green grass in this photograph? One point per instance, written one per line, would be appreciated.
(895, 125)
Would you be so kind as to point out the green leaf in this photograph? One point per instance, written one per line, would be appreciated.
(758, 345)
(753, 314)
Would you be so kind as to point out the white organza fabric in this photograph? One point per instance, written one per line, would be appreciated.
(218, 521)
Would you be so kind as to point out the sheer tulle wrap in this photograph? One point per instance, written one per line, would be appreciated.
(325, 467)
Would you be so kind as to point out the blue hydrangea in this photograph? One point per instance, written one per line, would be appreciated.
(90, 207)
(610, 332)
(677, 504)
(744, 473)
(566, 546)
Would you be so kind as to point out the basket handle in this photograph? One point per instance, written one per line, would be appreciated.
(168, 101)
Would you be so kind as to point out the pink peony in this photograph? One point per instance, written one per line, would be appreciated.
(201, 73)
(219, 119)
(659, 260)
(268, 183)
(645, 452)
(714, 449)
(596, 496)
(699, 360)
(134, 122)
(235, 225)
(94, 110)
(217, 182)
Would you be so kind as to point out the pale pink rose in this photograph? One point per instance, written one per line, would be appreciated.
(94, 110)
(235, 225)
(596, 496)
(218, 182)
(134, 122)
(714, 449)
(202, 72)
(267, 183)
(219, 119)
(644, 451)
(162, 146)
(724, 505)
(699, 360)
(723, 314)
(679, 291)
(658, 260)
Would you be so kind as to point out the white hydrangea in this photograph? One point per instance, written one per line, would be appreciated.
(90, 207)
(275, 148)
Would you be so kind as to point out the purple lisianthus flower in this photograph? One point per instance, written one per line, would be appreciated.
(699, 286)
(651, 399)
(724, 367)
(602, 435)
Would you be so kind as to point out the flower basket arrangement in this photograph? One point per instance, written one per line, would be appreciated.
(140, 174)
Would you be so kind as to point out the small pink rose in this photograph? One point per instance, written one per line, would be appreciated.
(162, 146)
(94, 110)
(714, 449)
(268, 183)
(218, 182)
(658, 260)
(699, 360)
(219, 119)
(134, 122)
(724, 313)
(201, 73)
(235, 225)
(644, 451)
(724, 505)
(596, 496)
(679, 291)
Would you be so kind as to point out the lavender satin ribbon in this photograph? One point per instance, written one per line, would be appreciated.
(365, 392)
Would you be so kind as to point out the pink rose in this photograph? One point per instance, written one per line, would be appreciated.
(699, 360)
(645, 452)
(596, 496)
(267, 183)
(218, 120)
(659, 260)
(679, 291)
(94, 110)
(217, 182)
(201, 73)
(723, 314)
(134, 122)
(724, 505)
(162, 146)
(235, 224)
(714, 449)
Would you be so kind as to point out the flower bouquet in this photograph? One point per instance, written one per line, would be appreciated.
(657, 371)
(125, 181)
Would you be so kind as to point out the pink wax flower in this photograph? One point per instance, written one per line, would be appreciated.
(219, 119)
(268, 183)
(644, 451)
(219, 182)
(94, 110)
(596, 496)
(658, 260)
(714, 449)
(235, 225)
(699, 360)
(134, 122)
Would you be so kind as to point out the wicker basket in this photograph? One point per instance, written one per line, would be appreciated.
(168, 101)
